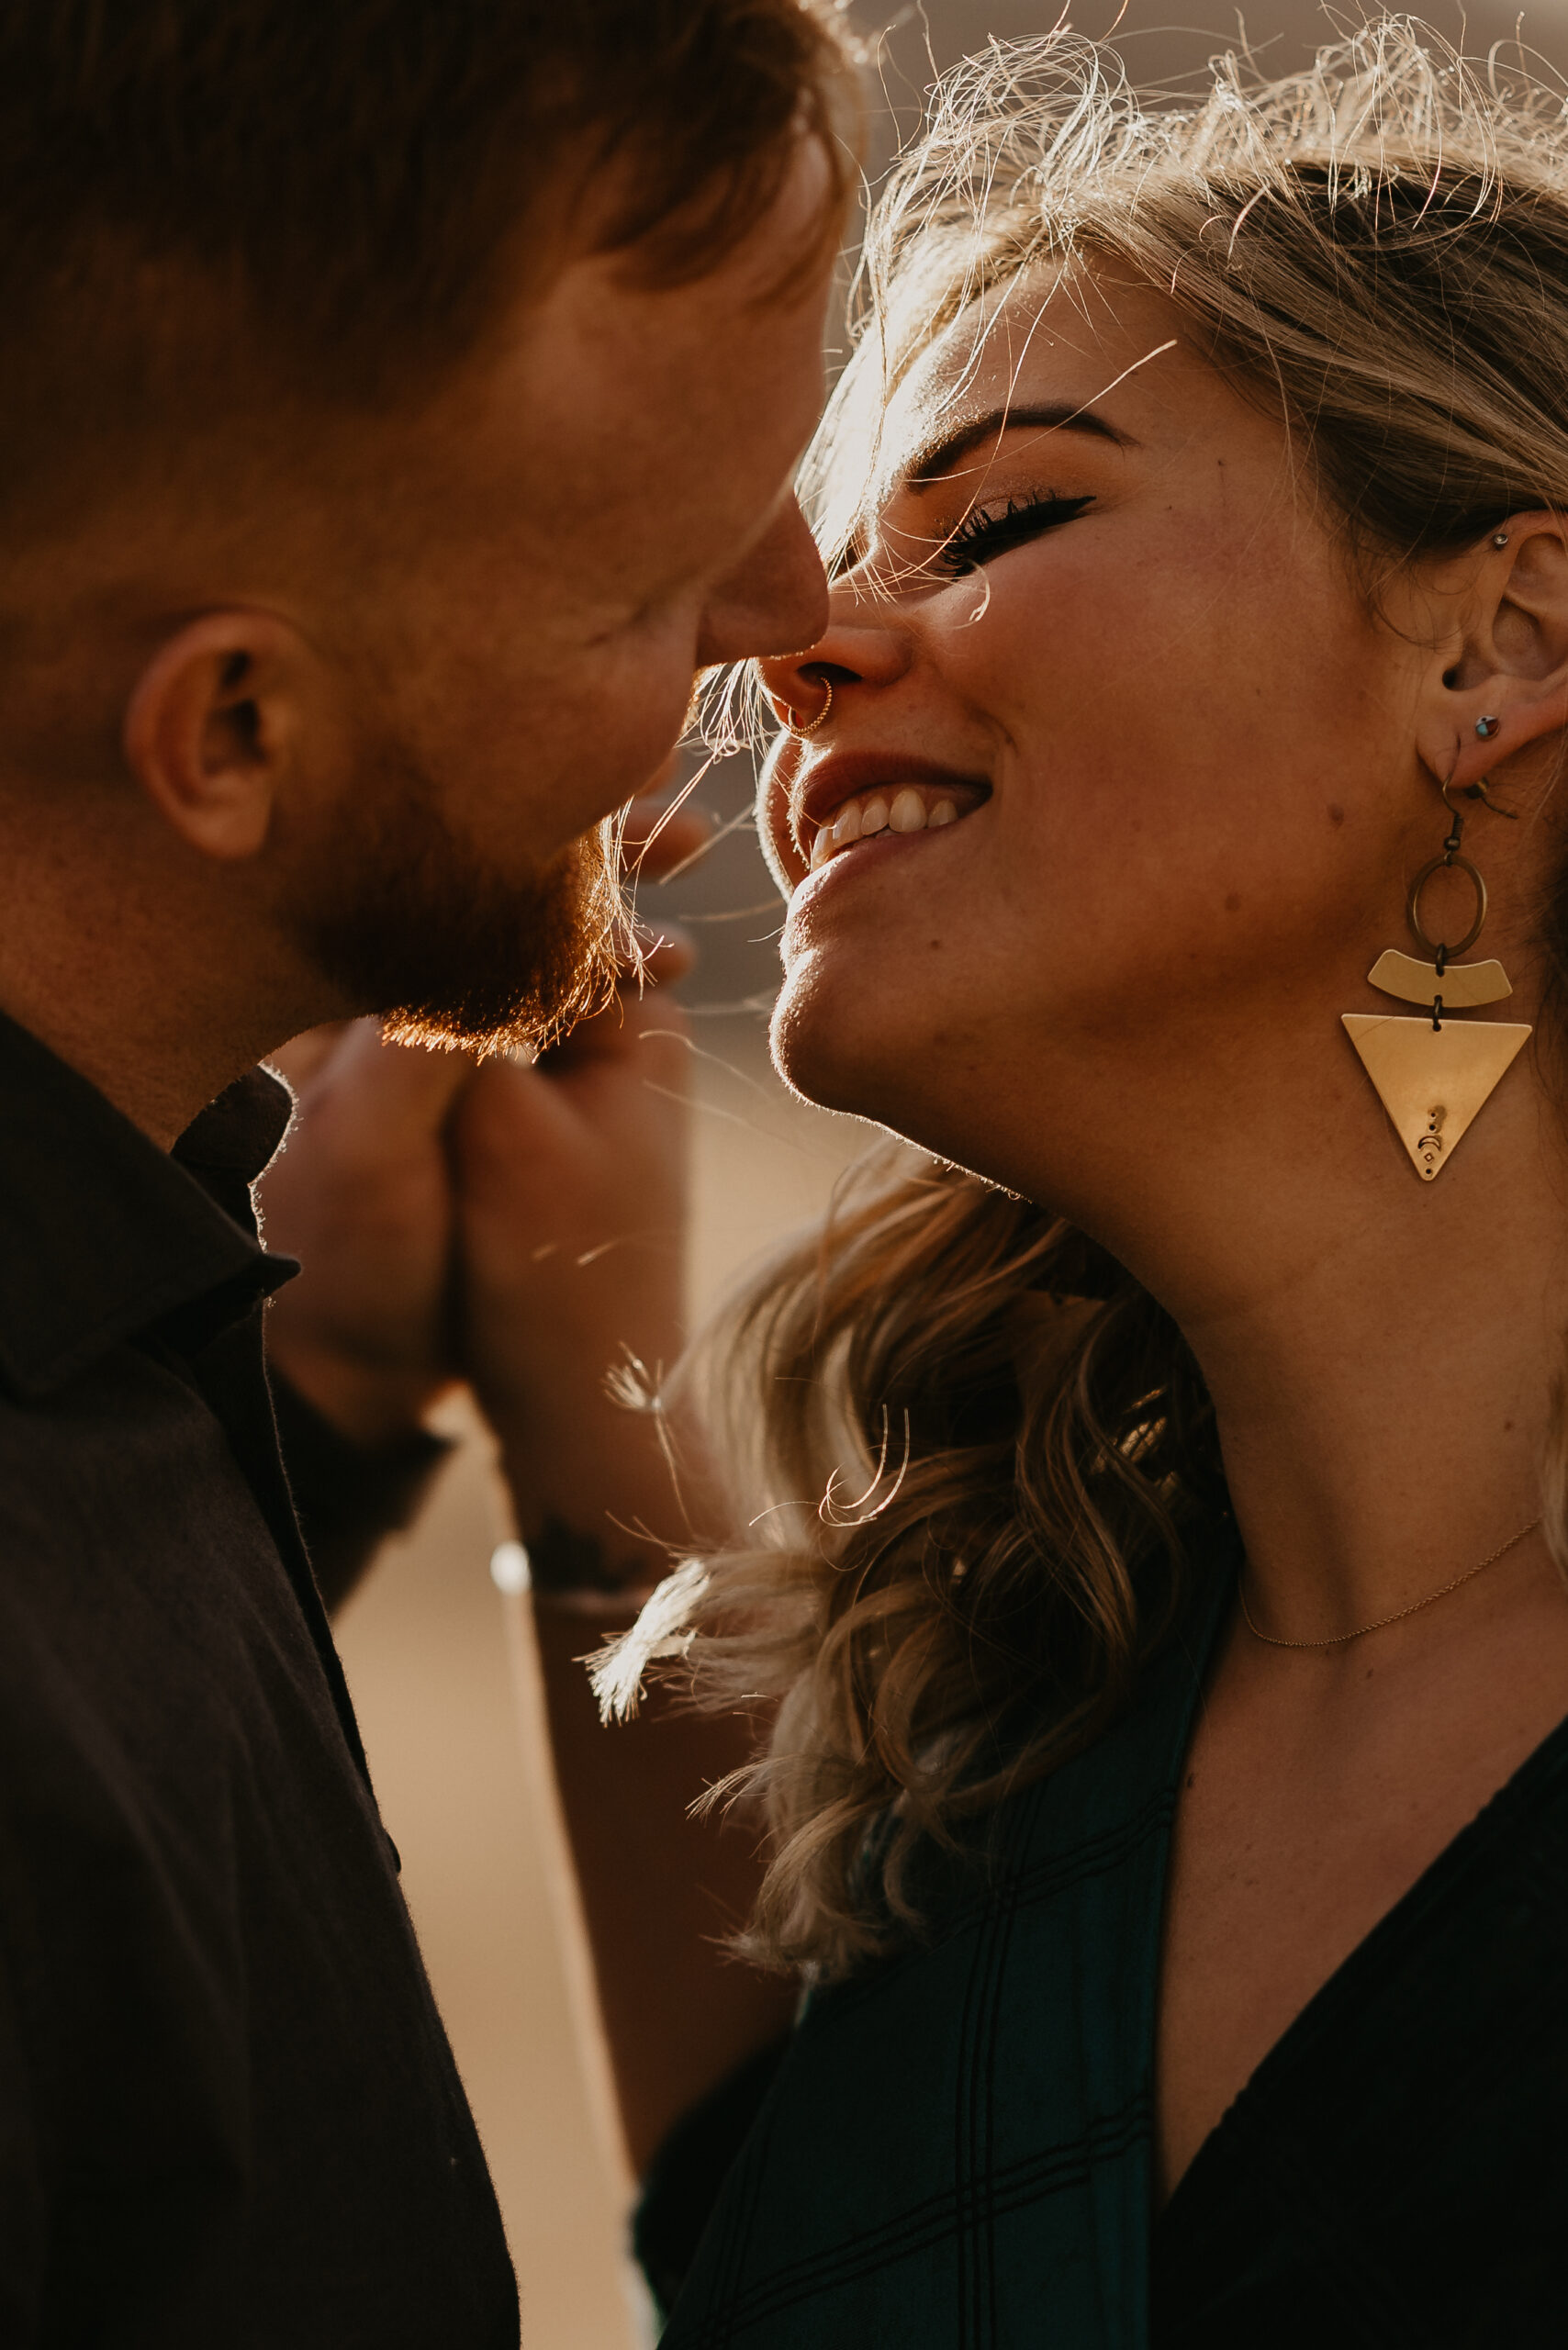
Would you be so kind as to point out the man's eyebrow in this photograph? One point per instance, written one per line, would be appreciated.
(938, 456)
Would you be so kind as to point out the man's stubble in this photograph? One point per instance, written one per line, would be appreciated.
(405, 917)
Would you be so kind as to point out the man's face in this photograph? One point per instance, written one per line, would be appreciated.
(549, 555)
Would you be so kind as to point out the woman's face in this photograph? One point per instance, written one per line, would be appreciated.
(1157, 761)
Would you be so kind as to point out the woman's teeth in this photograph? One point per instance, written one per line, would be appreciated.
(910, 811)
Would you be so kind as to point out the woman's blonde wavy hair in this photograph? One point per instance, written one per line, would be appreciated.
(976, 1462)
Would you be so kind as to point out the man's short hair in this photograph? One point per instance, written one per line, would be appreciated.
(325, 201)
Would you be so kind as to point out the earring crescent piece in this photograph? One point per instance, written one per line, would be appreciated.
(1435, 1074)
(819, 721)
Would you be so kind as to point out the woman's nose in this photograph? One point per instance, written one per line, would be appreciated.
(806, 689)
(799, 693)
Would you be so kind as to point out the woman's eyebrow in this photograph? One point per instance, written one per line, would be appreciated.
(938, 456)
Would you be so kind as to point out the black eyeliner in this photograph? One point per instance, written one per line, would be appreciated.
(982, 536)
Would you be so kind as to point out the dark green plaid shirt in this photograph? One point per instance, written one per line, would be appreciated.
(956, 2152)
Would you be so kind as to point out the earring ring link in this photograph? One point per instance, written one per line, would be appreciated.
(1450, 864)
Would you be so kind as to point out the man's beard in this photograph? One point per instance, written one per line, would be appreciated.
(407, 919)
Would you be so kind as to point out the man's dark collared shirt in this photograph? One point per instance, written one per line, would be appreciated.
(229, 2114)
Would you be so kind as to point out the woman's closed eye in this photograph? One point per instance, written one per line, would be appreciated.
(987, 531)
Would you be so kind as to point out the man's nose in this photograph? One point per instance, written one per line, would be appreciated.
(773, 602)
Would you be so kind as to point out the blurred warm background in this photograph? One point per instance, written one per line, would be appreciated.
(440, 1672)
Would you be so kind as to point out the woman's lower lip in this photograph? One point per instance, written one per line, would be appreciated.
(873, 850)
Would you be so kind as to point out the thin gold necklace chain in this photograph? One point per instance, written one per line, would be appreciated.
(1340, 1639)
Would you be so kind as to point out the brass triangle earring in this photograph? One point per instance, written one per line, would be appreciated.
(1435, 1074)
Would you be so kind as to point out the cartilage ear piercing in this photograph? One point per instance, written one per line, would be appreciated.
(1499, 538)
(1487, 727)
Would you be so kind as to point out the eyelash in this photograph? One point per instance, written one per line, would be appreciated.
(982, 536)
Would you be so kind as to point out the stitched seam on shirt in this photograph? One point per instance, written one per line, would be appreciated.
(973, 2105)
(930, 2222)
(736, 2221)
(1098, 1855)
(983, 2138)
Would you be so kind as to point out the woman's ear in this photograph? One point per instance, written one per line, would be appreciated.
(211, 725)
(1504, 680)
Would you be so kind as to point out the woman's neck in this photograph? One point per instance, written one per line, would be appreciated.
(1383, 1359)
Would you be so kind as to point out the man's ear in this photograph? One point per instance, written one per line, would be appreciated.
(211, 725)
(1503, 681)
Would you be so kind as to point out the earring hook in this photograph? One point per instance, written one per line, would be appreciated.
(1456, 829)
(1479, 791)
(1474, 791)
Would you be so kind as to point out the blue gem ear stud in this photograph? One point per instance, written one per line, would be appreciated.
(1487, 727)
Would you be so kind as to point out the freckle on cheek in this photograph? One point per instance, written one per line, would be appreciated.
(1233, 904)
(1335, 813)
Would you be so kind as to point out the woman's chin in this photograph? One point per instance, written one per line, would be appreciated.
(806, 1060)
(845, 1060)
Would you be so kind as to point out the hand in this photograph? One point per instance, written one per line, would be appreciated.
(571, 1185)
(361, 1194)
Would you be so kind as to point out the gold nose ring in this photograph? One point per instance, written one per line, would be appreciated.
(819, 720)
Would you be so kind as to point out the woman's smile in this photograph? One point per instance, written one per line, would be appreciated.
(860, 800)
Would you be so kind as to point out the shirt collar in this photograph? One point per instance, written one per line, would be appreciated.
(103, 1235)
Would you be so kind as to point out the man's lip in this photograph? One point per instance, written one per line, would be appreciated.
(823, 787)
